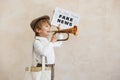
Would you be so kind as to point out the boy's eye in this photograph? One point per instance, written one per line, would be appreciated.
(47, 26)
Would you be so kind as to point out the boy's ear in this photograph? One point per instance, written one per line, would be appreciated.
(38, 30)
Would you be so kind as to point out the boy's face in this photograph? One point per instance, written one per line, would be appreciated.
(45, 30)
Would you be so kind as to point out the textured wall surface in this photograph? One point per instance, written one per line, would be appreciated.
(92, 55)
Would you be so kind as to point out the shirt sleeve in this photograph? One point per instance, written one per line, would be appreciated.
(58, 43)
(40, 49)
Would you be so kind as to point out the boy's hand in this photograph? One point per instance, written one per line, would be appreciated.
(53, 39)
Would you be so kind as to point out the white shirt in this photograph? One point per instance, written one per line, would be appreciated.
(43, 47)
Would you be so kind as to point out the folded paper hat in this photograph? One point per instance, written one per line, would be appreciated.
(35, 21)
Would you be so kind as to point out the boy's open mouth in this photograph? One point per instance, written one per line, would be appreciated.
(48, 31)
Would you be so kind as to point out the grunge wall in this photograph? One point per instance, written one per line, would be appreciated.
(92, 55)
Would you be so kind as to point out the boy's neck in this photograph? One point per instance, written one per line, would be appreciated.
(42, 36)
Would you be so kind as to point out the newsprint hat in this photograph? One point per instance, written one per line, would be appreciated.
(35, 21)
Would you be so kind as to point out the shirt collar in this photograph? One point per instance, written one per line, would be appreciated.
(41, 38)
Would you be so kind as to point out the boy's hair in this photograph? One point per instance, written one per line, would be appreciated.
(37, 23)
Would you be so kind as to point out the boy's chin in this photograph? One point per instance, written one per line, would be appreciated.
(47, 35)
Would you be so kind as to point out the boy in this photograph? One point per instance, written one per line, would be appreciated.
(42, 46)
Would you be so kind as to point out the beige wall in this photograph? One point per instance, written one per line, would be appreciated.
(92, 55)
